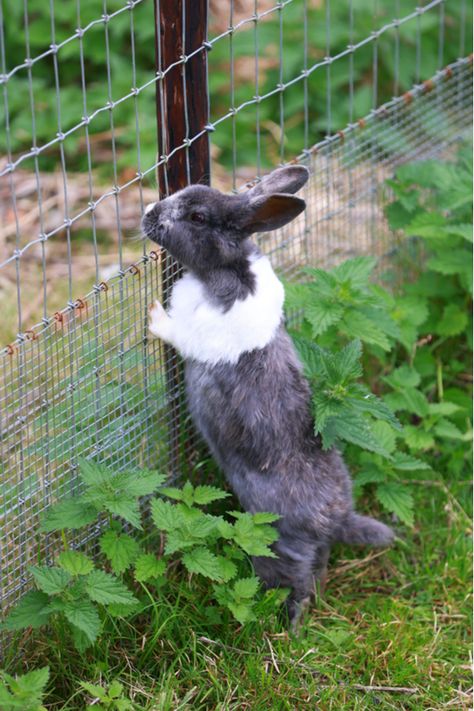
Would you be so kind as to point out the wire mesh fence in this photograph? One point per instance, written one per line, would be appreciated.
(350, 88)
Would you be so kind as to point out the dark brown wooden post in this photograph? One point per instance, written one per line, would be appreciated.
(182, 111)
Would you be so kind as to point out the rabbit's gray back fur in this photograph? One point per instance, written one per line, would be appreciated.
(256, 417)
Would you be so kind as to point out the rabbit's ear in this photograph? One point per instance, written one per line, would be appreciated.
(268, 212)
(282, 180)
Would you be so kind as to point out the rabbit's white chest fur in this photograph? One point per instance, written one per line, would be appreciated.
(200, 330)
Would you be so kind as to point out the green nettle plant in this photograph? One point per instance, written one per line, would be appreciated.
(107, 699)
(82, 593)
(415, 340)
(24, 692)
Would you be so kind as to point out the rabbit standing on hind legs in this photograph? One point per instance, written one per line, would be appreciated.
(245, 387)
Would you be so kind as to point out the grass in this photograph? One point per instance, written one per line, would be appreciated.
(392, 631)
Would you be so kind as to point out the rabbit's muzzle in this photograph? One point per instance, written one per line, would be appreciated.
(155, 224)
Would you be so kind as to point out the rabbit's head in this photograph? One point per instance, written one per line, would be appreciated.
(204, 229)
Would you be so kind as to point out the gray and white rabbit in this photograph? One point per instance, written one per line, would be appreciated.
(245, 387)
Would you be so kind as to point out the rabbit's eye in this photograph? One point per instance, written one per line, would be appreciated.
(198, 217)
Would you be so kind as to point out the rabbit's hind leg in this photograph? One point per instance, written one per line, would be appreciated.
(320, 566)
(294, 569)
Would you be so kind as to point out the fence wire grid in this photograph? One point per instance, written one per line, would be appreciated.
(350, 88)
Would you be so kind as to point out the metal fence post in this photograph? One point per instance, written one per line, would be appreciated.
(182, 112)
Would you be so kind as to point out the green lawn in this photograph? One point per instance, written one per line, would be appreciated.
(392, 631)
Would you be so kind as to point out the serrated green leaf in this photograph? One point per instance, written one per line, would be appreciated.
(188, 493)
(450, 261)
(415, 401)
(222, 594)
(245, 588)
(51, 581)
(30, 686)
(356, 325)
(395, 401)
(165, 516)
(397, 499)
(123, 705)
(404, 462)
(254, 539)
(224, 528)
(116, 609)
(81, 640)
(408, 399)
(120, 549)
(296, 295)
(94, 474)
(336, 370)
(356, 430)
(56, 604)
(143, 482)
(83, 615)
(242, 612)
(426, 224)
(403, 377)
(426, 173)
(324, 407)
(94, 690)
(172, 492)
(177, 541)
(367, 403)
(397, 215)
(202, 527)
(201, 560)
(206, 494)
(385, 435)
(124, 506)
(75, 562)
(383, 318)
(443, 408)
(323, 282)
(115, 689)
(310, 356)
(347, 361)
(264, 517)
(356, 270)
(105, 588)
(227, 568)
(148, 566)
(410, 308)
(417, 438)
(452, 322)
(369, 476)
(448, 430)
(68, 514)
(408, 335)
(323, 314)
(462, 230)
(30, 611)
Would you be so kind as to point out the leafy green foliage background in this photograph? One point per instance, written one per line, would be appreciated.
(84, 595)
(324, 87)
(417, 340)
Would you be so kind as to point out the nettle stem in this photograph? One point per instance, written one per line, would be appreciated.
(439, 379)
(64, 540)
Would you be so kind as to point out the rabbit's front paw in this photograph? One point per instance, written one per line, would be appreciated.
(159, 321)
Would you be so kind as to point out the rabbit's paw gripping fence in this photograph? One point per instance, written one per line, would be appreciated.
(105, 103)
